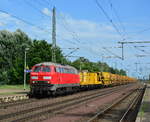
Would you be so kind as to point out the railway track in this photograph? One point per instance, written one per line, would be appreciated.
(5, 105)
(52, 109)
(131, 112)
(118, 111)
(15, 103)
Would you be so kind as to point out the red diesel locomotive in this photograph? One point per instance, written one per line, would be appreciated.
(48, 78)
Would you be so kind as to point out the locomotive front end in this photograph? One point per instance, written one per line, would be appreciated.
(40, 80)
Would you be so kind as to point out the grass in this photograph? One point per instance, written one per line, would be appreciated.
(13, 87)
(12, 93)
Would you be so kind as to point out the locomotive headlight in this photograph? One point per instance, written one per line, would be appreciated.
(34, 77)
(33, 81)
(47, 77)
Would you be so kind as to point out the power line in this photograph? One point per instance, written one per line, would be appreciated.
(33, 25)
(74, 50)
(117, 16)
(44, 14)
(73, 33)
(141, 50)
(24, 21)
(141, 46)
(61, 38)
(107, 16)
(44, 2)
(38, 27)
(41, 2)
(37, 9)
(112, 53)
(146, 29)
(132, 42)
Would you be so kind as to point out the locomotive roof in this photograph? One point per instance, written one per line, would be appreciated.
(55, 64)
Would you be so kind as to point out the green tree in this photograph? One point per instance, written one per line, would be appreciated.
(12, 46)
(12, 50)
(41, 51)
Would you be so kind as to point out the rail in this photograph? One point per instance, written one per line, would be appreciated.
(97, 116)
(135, 101)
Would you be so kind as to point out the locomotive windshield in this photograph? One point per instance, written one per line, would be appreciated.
(42, 69)
(37, 69)
(46, 69)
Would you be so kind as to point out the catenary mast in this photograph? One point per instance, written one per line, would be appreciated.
(54, 35)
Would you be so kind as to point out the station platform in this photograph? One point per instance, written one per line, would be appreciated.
(144, 112)
(7, 95)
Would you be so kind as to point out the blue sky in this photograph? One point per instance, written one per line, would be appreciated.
(81, 24)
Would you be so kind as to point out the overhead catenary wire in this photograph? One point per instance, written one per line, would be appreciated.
(66, 26)
(42, 2)
(117, 16)
(40, 28)
(24, 21)
(31, 24)
(45, 3)
(73, 34)
(141, 50)
(143, 30)
(34, 7)
(112, 53)
(108, 18)
(49, 2)
(142, 46)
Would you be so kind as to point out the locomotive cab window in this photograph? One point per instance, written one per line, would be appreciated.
(46, 69)
(37, 69)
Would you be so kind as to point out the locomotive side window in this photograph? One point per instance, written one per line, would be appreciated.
(62, 70)
(66, 70)
(46, 69)
(73, 71)
(37, 69)
(58, 69)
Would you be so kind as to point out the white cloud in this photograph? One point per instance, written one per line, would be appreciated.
(6, 19)
(3, 15)
(46, 11)
(89, 36)
(2, 24)
(86, 31)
